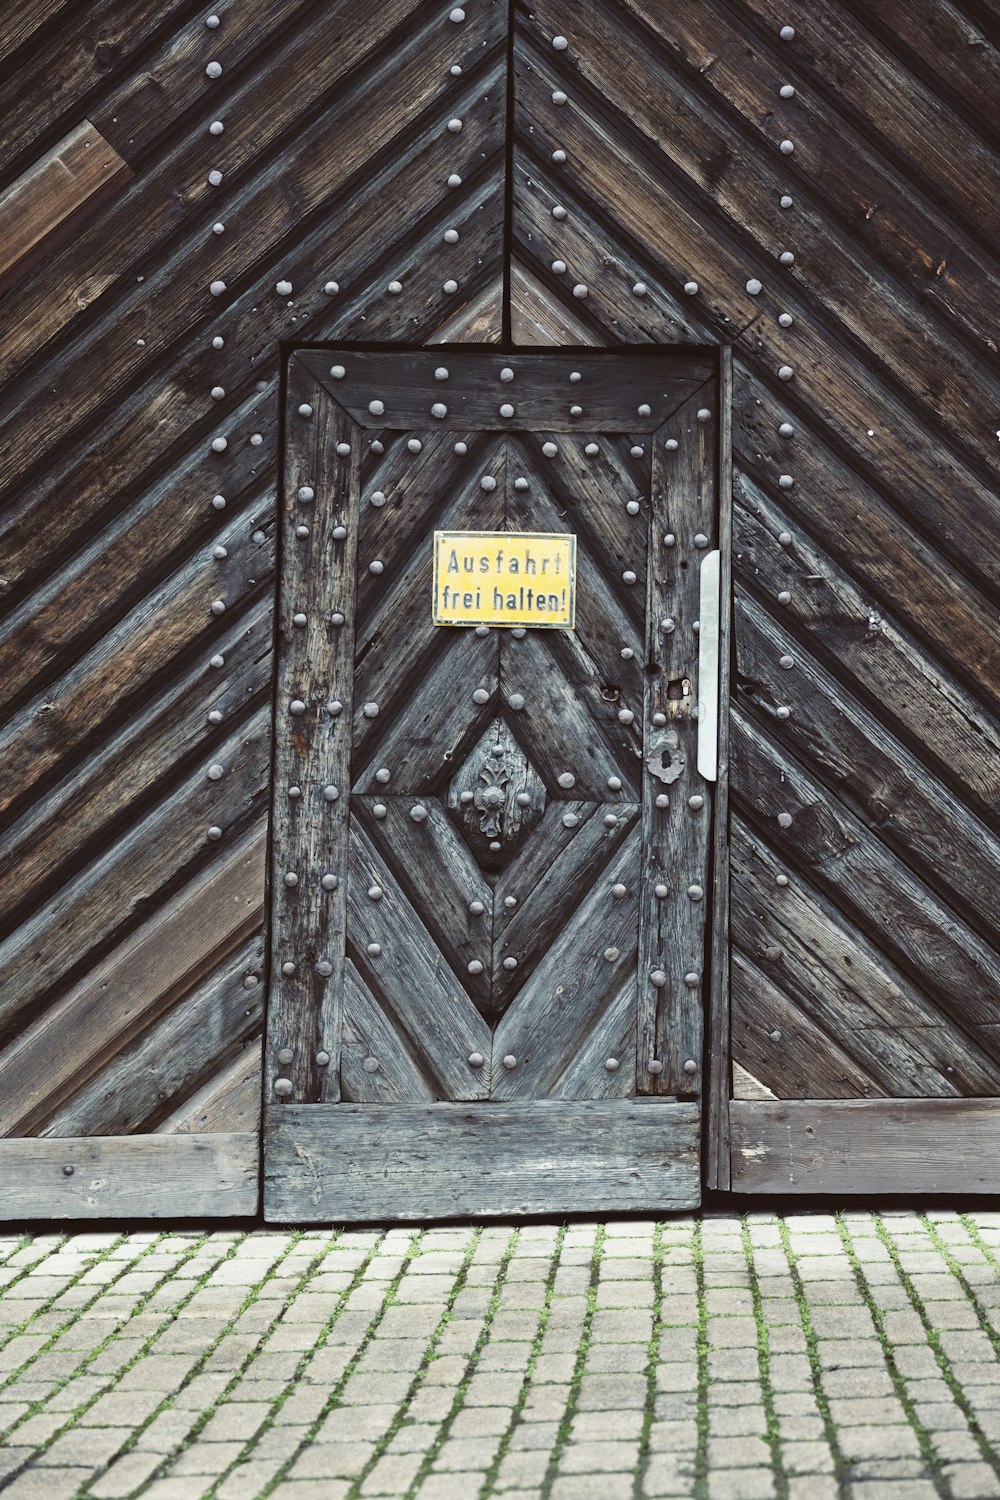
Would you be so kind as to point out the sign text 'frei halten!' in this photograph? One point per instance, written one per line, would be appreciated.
(504, 578)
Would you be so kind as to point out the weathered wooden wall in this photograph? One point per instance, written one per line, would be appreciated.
(841, 237)
(155, 218)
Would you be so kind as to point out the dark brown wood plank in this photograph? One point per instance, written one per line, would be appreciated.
(836, 977)
(312, 765)
(847, 747)
(68, 1043)
(212, 1176)
(443, 1161)
(907, 1147)
(850, 865)
(145, 1081)
(678, 803)
(540, 392)
(72, 178)
(857, 631)
(783, 1048)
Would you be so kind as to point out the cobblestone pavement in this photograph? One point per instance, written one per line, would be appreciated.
(804, 1357)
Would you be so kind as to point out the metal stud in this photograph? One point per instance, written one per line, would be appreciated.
(441, 373)
(661, 892)
(371, 1064)
(282, 1088)
(626, 716)
(566, 779)
(375, 893)
(291, 879)
(475, 967)
(691, 288)
(619, 890)
(215, 178)
(669, 540)
(662, 801)
(510, 902)
(785, 201)
(784, 820)
(591, 450)
(377, 408)
(637, 450)
(692, 980)
(785, 372)
(610, 820)
(786, 662)
(214, 833)
(784, 597)
(611, 1065)
(383, 775)
(216, 772)
(476, 908)
(639, 289)
(329, 881)
(324, 967)
(510, 1061)
(558, 212)
(322, 1059)
(654, 1066)
(659, 721)
(690, 1066)
(217, 288)
(374, 950)
(558, 97)
(476, 1059)
(418, 812)
(580, 291)
(379, 811)
(570, 820)
(331, 793)
(559, 155)
(696, 803)
(781, 880)
(507, 410)
(550, 450)
(658, 978)
(785, 320)
(288, 968)
(295, 792)
(614, 783)
(628, 576)
(632, 507)
(696, 892)
(370, 710)
(755, 287)
(331, 288)
(700, 540)
(466, 797)
(510, 964)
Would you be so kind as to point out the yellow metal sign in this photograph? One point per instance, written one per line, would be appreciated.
(504, 578)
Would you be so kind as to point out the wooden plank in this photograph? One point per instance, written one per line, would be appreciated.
(228, 1102)
(717, 1114)
(848, 748)
(550, 1019)
(541, 391)
(74, 177)
(905, 1147)
(637, 202)
(145, 1080)
(547, 882)
(537, 316)
(857, 631)
(397, 959)
(850, 865)
(70, 1041)
(440, 1161)
(834, 975)
(312, 759)
(376, 1065)
(676, 834)
(783, 1047)
(130, 1177)
(611, 1039)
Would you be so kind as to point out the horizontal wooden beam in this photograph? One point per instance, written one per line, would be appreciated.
(78, 173)
(346, 1163)
(924, 1146)
(130, 1176)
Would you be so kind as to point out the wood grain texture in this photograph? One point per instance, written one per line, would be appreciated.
(210, 1176)
(71, 179)
(439, 1161)
(910, 1147)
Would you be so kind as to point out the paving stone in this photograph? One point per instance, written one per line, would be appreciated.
(592, 1487)
(207, 1459)
(54, 1484)
(609, 1457)
(332, 1460)
(741, 1484)
(126, 1474)
(92, 1446)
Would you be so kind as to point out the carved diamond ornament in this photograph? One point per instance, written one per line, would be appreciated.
(496, 797)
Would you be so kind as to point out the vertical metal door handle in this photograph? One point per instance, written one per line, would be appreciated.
(708, 667)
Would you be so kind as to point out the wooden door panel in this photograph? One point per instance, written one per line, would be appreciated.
(473, 882)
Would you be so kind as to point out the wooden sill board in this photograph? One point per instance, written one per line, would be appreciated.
(908, 1146)
(346, 1163)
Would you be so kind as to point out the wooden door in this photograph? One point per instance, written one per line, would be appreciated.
(491, 852)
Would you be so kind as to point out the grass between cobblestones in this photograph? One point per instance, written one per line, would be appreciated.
(798, 1357)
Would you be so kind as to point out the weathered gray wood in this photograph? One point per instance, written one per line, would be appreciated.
(677, 837)
(911, 1147)
(550, 1019)
(838, 978)
(370, 1038)
(228, 1102)
(541, 392)
(847, 747)
(557, 868)
(124, 1176)
(312, 734)
(65, 1044)
(848, 863)
(612, 1038)
(717, 1113)
(397, 958)
(355, 1163)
